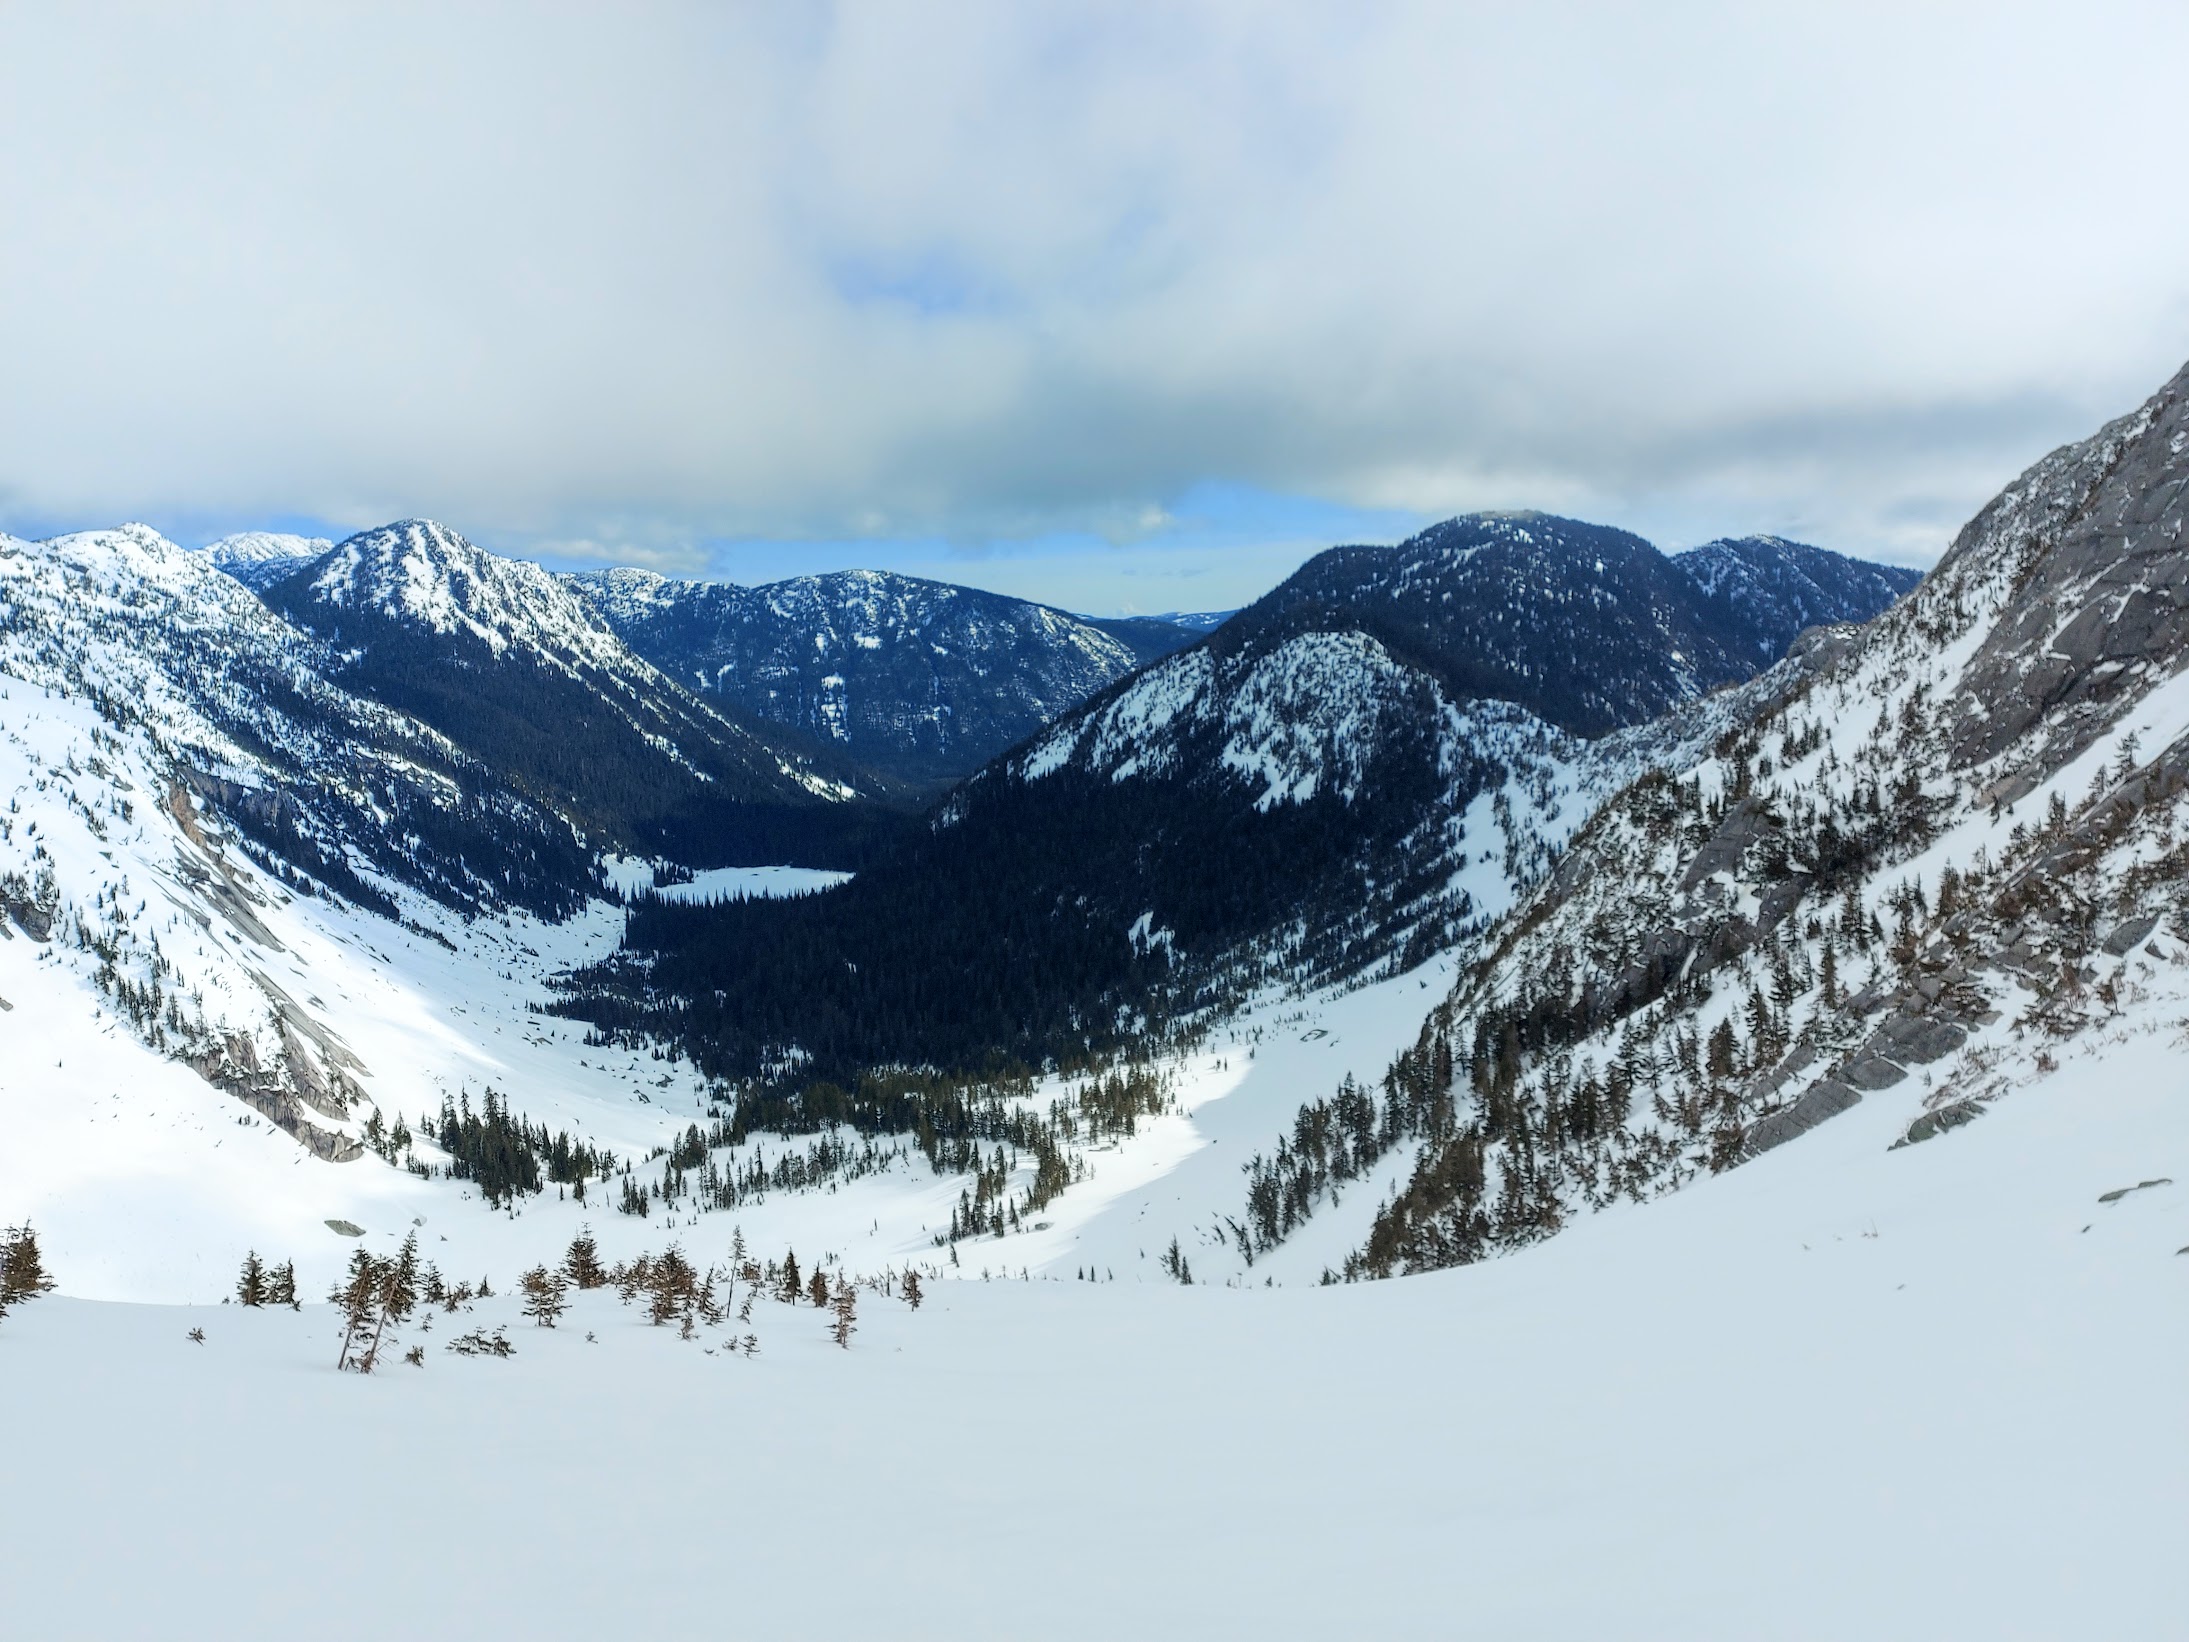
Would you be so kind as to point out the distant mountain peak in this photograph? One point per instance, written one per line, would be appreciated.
(422, 573)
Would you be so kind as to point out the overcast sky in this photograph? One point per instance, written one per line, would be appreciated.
(1126, 307)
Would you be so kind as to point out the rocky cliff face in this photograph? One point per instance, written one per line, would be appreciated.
(1933, 847)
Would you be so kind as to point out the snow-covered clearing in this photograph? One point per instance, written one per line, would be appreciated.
(720, 883)
(1841, 1391)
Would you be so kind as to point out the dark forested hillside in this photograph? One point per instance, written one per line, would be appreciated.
(1758, 591)
(1360, 768)
(1589, 627)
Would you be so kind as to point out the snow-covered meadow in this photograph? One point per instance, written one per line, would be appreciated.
(1842, 1391)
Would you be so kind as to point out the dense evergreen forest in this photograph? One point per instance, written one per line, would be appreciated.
(1008, 936)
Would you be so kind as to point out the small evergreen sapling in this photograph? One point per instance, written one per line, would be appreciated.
(544, 1296)
(1174, 1262)
(844, 1306)
(582, 1264)
(912, 1293)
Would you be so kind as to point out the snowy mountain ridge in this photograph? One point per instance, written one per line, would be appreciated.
(1762, 587)
(1355, 677)
(1344, 780)
(923, 679)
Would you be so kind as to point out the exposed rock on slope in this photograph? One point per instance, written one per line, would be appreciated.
(176, 760)
(1937, 843)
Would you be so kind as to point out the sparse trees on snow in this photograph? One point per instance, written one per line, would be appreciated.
(375, 1293)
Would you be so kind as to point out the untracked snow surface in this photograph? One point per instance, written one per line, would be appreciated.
(1844, 1391)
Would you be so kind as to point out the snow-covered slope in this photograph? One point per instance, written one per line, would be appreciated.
(424, 575)
(177, 769)
(1943, 849)
(259, 558)
(923, 679)
(1846, 1391)
(1477, 796)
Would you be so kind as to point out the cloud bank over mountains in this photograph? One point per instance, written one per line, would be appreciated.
(645, 284)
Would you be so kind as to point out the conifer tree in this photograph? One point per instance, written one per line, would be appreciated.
(402, 1281)
(582, 1263)
(544, 1296)
(1723, 1051)
(912, 1293)
(1174, 1262)
(23, 1274)
(817, 1290)
(251, 1286)
(793, 1287)
(844, 1304)
(361, 1297)
(281, 1286)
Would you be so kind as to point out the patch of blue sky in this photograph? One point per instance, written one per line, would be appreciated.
(934, 284)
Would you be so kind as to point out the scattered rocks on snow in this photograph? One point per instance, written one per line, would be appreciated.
(2119, 1192)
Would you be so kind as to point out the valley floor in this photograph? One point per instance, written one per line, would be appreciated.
(1843, 1391)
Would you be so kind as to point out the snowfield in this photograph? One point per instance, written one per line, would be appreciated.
(1841, 1391)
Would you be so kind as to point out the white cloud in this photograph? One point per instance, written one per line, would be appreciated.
(644, 277)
